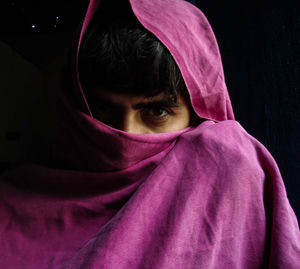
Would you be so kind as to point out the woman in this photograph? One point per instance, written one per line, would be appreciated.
(150, 170)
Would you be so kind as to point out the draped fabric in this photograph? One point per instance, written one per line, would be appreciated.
(209, 196)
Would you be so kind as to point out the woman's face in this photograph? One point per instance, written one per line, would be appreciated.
(138, 114)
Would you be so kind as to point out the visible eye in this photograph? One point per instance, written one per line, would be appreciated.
(155, 113)
(103, 113)
(102, 108)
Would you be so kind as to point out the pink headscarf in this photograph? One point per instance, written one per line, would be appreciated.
(208, 197)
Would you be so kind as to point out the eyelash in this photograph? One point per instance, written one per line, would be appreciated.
(153, 117)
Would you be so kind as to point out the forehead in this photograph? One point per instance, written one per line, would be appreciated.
(123, 98)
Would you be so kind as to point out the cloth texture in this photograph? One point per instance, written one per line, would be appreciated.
(209, 196)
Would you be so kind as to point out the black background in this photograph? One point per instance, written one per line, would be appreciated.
(260, 48)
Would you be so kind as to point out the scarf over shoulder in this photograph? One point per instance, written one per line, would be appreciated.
(209, 196)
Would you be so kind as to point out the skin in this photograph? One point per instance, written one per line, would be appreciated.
(139, 114)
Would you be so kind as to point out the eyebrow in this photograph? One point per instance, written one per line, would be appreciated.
(156, 103)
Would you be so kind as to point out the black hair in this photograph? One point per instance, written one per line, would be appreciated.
(117, 53)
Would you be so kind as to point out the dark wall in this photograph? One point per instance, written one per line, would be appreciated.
(34, 39)
(260, 47)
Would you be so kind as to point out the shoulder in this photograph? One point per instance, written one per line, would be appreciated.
(226, 148)
(223, 137)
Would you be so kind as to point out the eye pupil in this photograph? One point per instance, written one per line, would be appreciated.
(158, 111)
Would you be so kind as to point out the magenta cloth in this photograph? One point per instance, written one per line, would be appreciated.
(209, 196)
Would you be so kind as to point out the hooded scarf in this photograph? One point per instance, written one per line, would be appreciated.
(209, 196)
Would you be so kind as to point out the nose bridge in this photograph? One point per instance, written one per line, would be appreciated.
(130, 123)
